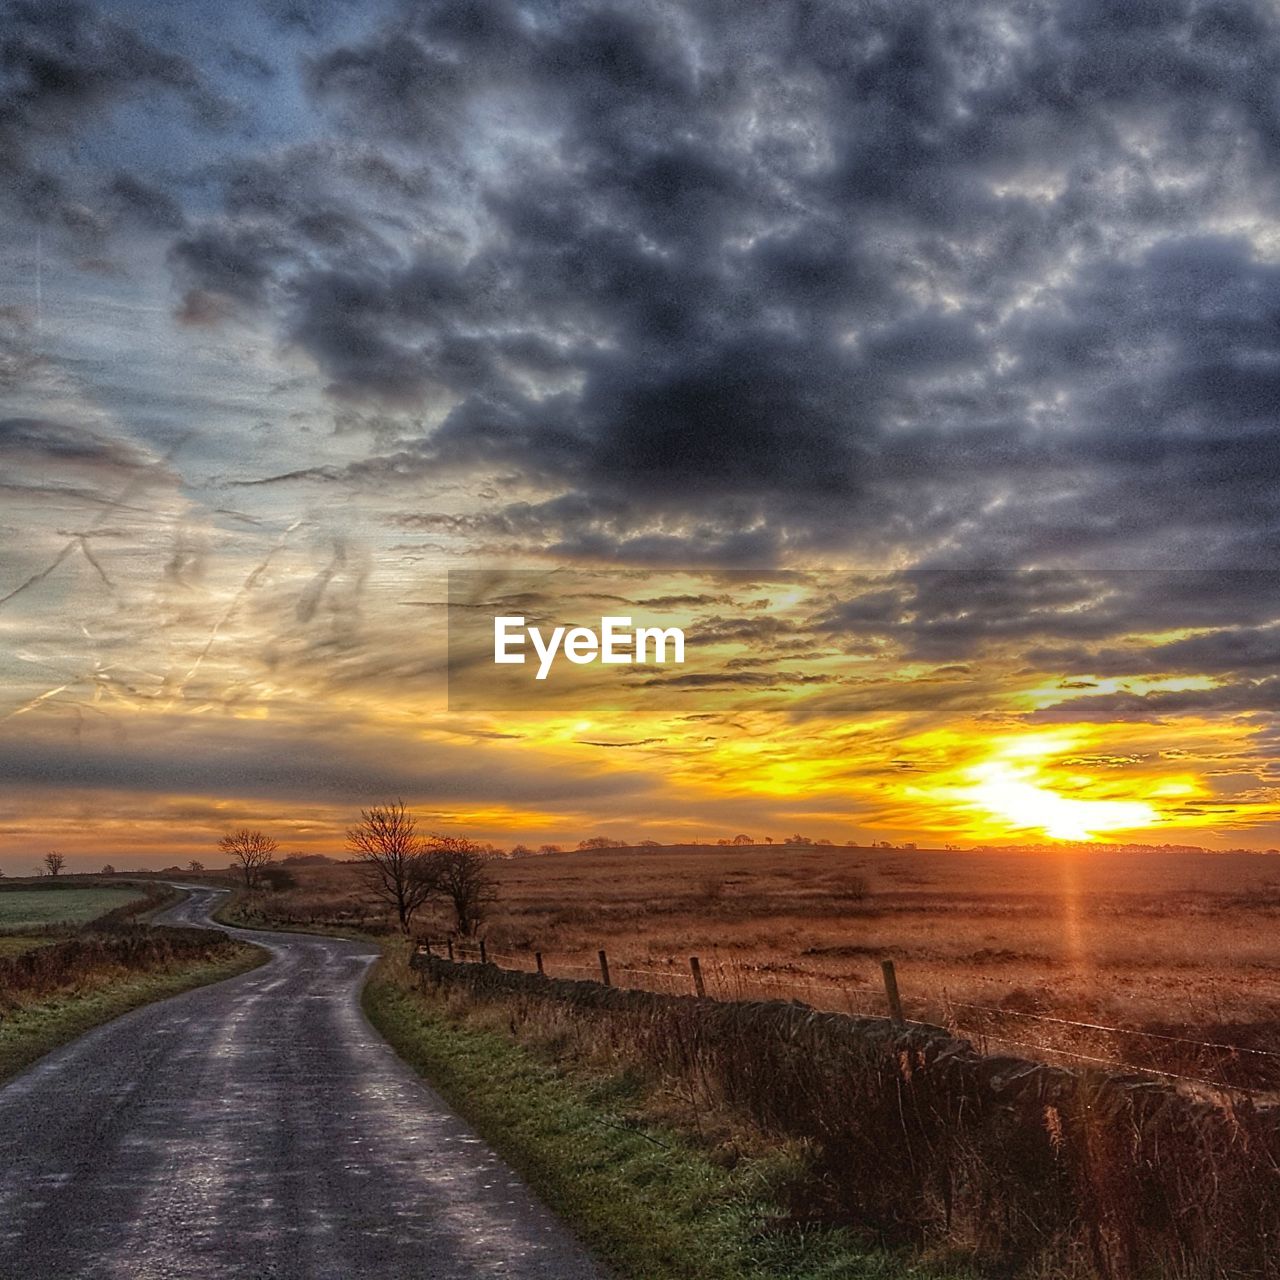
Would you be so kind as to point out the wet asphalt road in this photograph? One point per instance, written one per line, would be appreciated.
(256, 1129)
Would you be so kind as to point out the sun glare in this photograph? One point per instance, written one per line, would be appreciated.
(1006, 791)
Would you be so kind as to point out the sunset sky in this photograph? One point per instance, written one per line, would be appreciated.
(923, 361)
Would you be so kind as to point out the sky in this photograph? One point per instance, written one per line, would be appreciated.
(923, 358)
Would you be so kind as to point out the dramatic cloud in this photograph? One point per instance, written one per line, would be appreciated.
(306, 304)
(988, 286)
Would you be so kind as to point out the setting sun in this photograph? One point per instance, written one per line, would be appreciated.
(1009, 792)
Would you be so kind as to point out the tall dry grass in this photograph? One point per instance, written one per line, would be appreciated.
(913, 1135)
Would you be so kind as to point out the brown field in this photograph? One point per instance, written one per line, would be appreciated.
(1179, 943)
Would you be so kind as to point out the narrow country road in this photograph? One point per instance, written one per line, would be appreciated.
(257, 1129)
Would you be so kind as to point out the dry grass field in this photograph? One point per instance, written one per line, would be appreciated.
(1186, 944)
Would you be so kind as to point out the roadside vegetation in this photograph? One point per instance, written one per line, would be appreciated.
(654, 1188)
(63, 971)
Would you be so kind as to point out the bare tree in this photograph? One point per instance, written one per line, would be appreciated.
(108, 869)
(459, 871)
(195, 865)
(392, 855)
(54, 862)
(252, 850)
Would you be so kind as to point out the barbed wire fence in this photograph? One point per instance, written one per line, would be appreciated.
(1214, 1065)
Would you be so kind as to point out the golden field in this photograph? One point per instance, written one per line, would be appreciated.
(1181, 943)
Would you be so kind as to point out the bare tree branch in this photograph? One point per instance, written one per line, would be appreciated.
(390, 851)
(252, 850)
(459, 870)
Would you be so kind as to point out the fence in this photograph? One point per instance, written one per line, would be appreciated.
(1207, 1065)
(917, 1135)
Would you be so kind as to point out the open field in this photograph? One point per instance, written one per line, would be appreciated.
(34, 909)
(1177, 943)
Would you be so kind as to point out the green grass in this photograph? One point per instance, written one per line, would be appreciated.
(642, 1197)
(39, 908)
(30, 1032)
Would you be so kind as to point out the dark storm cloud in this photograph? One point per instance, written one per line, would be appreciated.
(737, 284)
(64, 66)
(956, 285)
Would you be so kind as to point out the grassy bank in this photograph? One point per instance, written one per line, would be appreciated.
(651, 1199)
(30, 1031)
(28, 910)
(256, 911)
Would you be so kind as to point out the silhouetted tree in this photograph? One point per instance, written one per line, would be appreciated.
(251, 851)
(195, 865)
(597, 842)
(393, 858)
(460, 872)
(743, 840)
(54, 862)
(108, 870)
(549, 848)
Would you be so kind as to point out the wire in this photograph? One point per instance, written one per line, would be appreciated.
(1123, 1031)
(719, 977)
(1128, 1066)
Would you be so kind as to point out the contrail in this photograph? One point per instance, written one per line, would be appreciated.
(245, 587)
(43, 574)
(79, 541)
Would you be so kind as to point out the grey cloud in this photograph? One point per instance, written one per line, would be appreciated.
(725, 342)
(708, 285)
(43, 441)
(63, 68)
(218, 759)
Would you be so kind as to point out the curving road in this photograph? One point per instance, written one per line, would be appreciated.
(257, 1129)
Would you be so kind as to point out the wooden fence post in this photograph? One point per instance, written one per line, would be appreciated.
(604, 969)
(449, 943)
(484, 959)
(698, 985)
(426, 945)
(537, 955)
(891, 992)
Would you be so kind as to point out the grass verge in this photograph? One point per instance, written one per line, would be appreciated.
(30, 1032)
(642, 1196)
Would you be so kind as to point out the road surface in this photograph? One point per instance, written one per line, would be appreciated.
(258, 1129)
